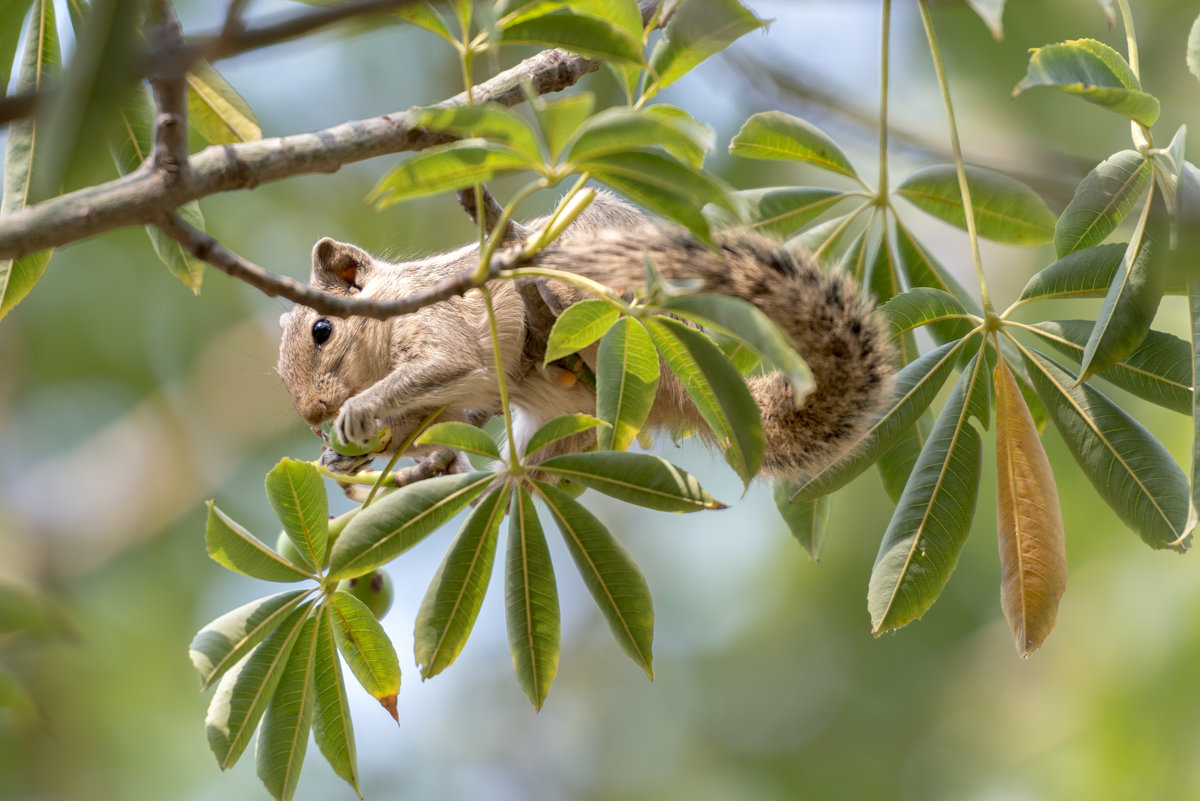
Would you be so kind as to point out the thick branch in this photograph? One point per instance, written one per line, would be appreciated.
(140, 197)
(170, 152)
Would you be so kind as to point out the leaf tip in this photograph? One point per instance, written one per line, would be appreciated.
(388, 702)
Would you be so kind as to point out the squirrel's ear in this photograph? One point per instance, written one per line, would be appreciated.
(339, 266)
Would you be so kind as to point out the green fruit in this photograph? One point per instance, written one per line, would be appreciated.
(378, 443)
(288, 550)
(374, 589)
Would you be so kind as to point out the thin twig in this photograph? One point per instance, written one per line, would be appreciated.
(492, 211)
(170, 151)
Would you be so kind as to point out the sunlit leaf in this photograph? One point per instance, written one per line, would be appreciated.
(589, 36)
(462, 437)
(296, 493)
(283, 739)
(626, 382)
(620, 130)
(455, 595)
(490, 121)
(699, 140)
(636, 478)
(231, 546)
(698, 29)
(331, 724)
(1130, 469)
(426, 16)
(578, 326)
(561, 427)
(1093, 71)
(396, 522)
(782, 211)
(531, 601)
(448, 167)
(808, 521)
(1006, 210)
(612, 578)
(220, 644)
(215, 109)
(243, 693)
(1102, 199)
(778, 135)
(933, 518)
(366, 648)
(560, 117)
(1084, 273)
(1033, 552)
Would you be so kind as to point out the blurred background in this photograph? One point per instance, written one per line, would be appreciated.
(125, 403)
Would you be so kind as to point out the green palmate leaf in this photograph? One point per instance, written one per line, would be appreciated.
(244, 692)
(1130, 469)
(637, 478)
(233, 547)
(1158, 370)
(718, 391)
(897, 462)
(393, 524)
(1193, 49)
(620, 130)
(777, 135)
(588, 36)
(1134, 295)
(698, 29)
(448, 167)
(1033, 553)
(215, 109)
(219, 645)
(855, 259)
(560, 117)
(1006, 210)
(490, 121)
(913, 390)
(296, 493)
(933, 518)
(883, 274)
(747, 324)
(824, 240)
(283, 740)
(332, 728)
(461, 436)
(612, 578)
(366, 648)
(561, 427)
(991, 12)
(448, 613)
(579, 326)
(808, 521)
(1093, 71)
(782, 211)
(922, 306)
(662, 185)
(1101, 201)
(41, 62)
(1085, 273)
(922, 269)
(626, 382)
(531, 601)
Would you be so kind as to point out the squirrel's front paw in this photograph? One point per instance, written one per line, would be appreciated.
(358, 421)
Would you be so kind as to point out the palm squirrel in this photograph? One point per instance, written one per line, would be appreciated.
(366, 373)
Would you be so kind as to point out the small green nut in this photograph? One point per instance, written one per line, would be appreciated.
(377, 444)
(374, 589)
(288, 550)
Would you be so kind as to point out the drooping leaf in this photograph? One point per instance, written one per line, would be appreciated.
(579, 326)
(698, 29)
(933, 518)
(1134, 295)
(12, 15)
(808, 521)
(619, 130)
(922, 269)
(700, 136)
(1084, 273)
(778, 135)
(455, 595)
(1102, 199)
(637, 478)
(782, 211)
(215, 109)
(897, 462)
(991, 12)
(589, 36)
(531, 601)
(283, 739)
(426, 16)
(396, 522)
(718, 391)
(366, 648)
(231, 546)
(1033, 553)
(612, 578)
(1194, 313)
(448, 167)
(296, 493)
(331, 724)
(626, 382)
(1093, 71)
(1130, 469)
(490, 121)
(462, 437)
(560, 117)
(1006, 210)
(219, 645)
(243, 693)
(1158, 370)
(922, 306)
(913, 389)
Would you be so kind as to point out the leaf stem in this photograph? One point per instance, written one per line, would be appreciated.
(595, 287)
(884, 68)
(1142, 139)
(501, 383)
(968, 207)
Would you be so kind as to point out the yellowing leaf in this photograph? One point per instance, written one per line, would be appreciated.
(1033, 556)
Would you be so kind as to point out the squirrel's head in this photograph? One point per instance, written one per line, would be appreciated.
(325, 360)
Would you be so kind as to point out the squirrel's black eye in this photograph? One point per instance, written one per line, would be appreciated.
(322, 330)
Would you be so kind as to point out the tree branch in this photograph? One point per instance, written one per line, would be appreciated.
(491, 214)
(170, 151)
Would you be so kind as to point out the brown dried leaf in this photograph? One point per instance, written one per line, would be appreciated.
(1033, 557)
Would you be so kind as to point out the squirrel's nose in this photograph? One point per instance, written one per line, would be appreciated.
(315, 412)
